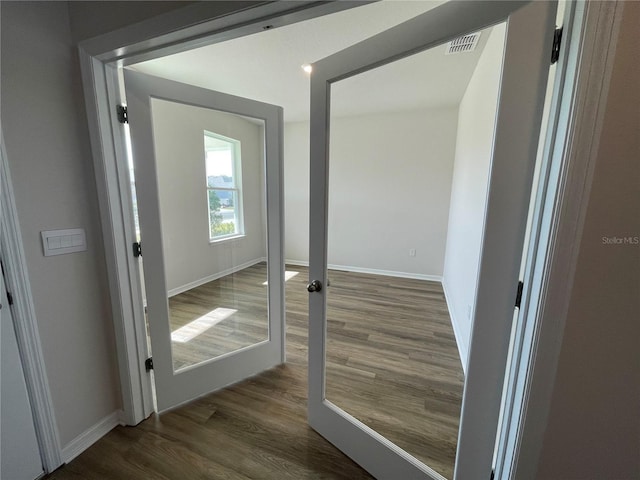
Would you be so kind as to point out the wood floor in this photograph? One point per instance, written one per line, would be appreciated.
(243, 292)
(392, 362)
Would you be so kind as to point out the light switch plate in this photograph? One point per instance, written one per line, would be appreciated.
(59, 242)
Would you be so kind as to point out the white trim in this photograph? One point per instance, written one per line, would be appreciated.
(388, 273)
(201, 24)
(28, 336)
(118, 234)
(573, 153)
(180, 30)
(188, 286)
(463, 348)
(371, 271)
(232, 238)
(91, 435)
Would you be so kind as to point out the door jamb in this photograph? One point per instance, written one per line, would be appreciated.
(571, 154)
(26, 325)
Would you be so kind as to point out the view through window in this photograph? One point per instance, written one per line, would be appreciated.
(223, 167)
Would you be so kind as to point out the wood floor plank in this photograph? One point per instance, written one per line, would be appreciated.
(392, 362)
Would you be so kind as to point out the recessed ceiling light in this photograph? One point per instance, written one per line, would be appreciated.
(307, 68)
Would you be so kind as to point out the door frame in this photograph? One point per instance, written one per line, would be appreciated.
(26, 325)
(570, 151)
(570, 179)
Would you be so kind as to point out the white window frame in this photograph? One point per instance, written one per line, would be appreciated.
(237, 182)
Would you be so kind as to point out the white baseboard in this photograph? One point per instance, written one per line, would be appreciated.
(215, 276)
(372, 271)
(91, 435)
(462, 347)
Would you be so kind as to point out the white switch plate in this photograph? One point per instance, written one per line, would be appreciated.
(59, 242)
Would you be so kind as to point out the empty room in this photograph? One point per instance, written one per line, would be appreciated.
(306, 239)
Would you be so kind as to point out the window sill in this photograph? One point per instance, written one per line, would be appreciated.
(234, 238)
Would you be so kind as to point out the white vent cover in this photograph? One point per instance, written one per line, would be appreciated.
(466, 43)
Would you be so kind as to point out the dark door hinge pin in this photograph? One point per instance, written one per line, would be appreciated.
(557, 41)
(519, 295)
(123, 114)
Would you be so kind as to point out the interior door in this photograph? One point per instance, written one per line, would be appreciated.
(208, 174)
(525, 61)
(20, 454)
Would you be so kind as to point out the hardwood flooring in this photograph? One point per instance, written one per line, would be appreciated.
(392, 362)
(242, 293)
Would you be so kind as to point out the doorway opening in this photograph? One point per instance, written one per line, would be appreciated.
(414, 251)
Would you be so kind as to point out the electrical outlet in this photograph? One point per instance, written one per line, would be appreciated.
(412, 252)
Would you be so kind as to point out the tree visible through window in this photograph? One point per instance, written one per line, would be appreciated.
(223, 167)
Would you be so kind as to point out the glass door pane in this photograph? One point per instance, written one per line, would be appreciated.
(211, 185)
(392, 360)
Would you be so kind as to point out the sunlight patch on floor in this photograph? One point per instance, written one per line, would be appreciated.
(191, 330)
(287, 276)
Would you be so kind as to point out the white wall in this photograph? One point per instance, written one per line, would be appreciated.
(476, 119)
(179, 142)
(390, 180)
(593, 429)
(47, 143)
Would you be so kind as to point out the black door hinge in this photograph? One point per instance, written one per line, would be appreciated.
(9, 296)
(148, 363)
(137, 249)
(493, 474)
(519, 294)
(557, 40)
(123, 114)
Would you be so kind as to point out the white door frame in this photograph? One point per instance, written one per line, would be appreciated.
(571, 146)
(197, 25)
(26, 325)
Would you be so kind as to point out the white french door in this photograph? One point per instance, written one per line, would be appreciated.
(208, 170)
(526, 58)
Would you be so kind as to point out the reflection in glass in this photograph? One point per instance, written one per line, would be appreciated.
(409, 159)
(211, 183)
(223, 162)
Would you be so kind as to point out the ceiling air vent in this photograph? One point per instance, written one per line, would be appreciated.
(466, 43)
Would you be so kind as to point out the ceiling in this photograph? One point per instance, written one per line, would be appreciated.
(267, 66)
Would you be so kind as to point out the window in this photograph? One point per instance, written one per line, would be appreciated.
(224, 184)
